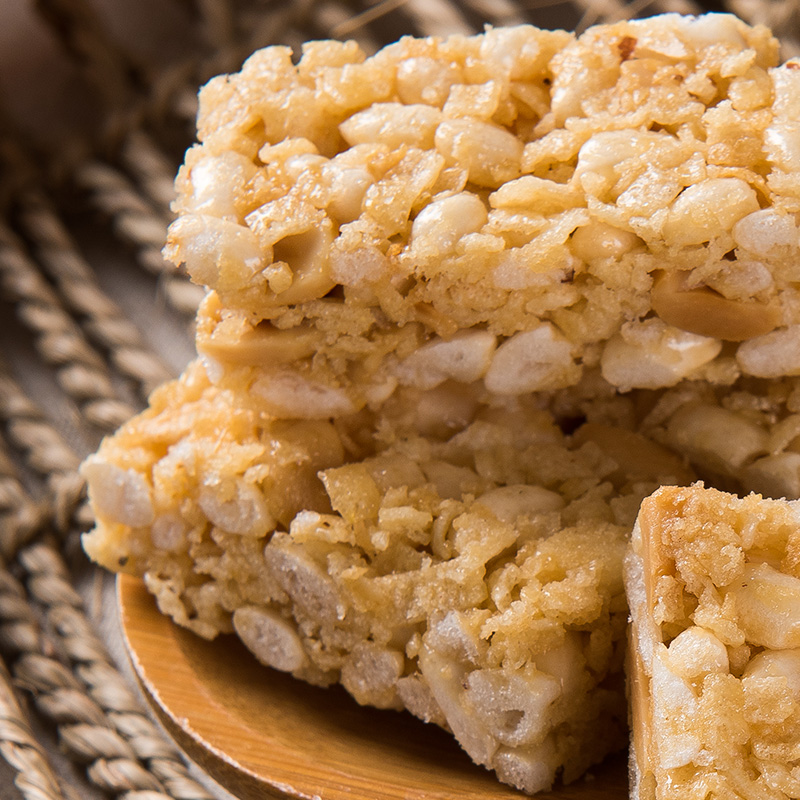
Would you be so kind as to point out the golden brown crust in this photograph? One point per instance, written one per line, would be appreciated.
(715, 632)
(523, 187)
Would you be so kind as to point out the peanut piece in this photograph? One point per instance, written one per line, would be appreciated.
(307, 256)
(123, 495)
(509, 502)
(774, 355)
(705, 209)
(651, 355)
(439, 226)
(270, 638)
(535, 360)
(465, 358)
(717, 438)
(768, 607)
(235, 341)
(235, 506)
(287, 395)
(490, 153)
(705, 312)
(394, 125)
(776, 475)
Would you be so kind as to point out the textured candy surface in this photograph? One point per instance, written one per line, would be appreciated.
(514, 209)
(470, 301)
(714, 589)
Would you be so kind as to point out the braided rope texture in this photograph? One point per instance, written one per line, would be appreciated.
(76, 361)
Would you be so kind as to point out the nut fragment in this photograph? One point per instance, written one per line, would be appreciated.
(776, 475)
(121, 494)
(218, 183)
(370, 673)
(601, 157)
(696, 652)
(270, 638)
(490, 153)
(513, 704)
(306, 254)
(601, 240)
(768, 607)
(776, 664)
(309, 587)
(289, 395)
(509, 502)
(673, 704)
(216, 252)
(716, 438)
(465, 358)
(426, 80)
(773, 355)
(706, 208)
(235, 506)
(652, 354)
(535, 360)
(439, 226)
(765, 231)
(235, 341)
(393, 124)
(705, 312)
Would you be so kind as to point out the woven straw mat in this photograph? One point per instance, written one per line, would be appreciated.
(97, 101)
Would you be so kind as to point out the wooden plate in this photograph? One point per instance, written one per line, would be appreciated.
(263, 734)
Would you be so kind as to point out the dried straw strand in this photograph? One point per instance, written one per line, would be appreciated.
(45, 451)
(338, 20)
(438, 18)
(20, 516)
(151, 168)
(77, 285)
(19, 747)
(596, 11)
(498, 12)
(781, 16)
(80, 370)
(128, 753)
(343, 28)
(140, 225)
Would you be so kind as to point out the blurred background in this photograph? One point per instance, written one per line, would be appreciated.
(97, 105)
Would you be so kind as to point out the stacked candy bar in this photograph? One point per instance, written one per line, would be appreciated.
(470, 300)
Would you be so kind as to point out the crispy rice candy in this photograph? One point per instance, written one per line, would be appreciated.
(417, 263)
(473, 578)
(515, 208)
(713, 583)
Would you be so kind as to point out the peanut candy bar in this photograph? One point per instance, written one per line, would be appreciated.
(472, 577)
(416, 262)
(714, 589)
(515, 209)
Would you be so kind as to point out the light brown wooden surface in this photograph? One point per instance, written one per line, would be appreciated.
(263, 734)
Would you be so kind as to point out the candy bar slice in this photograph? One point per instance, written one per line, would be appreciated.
(714, 589)
(472, 575)
(515, 210)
